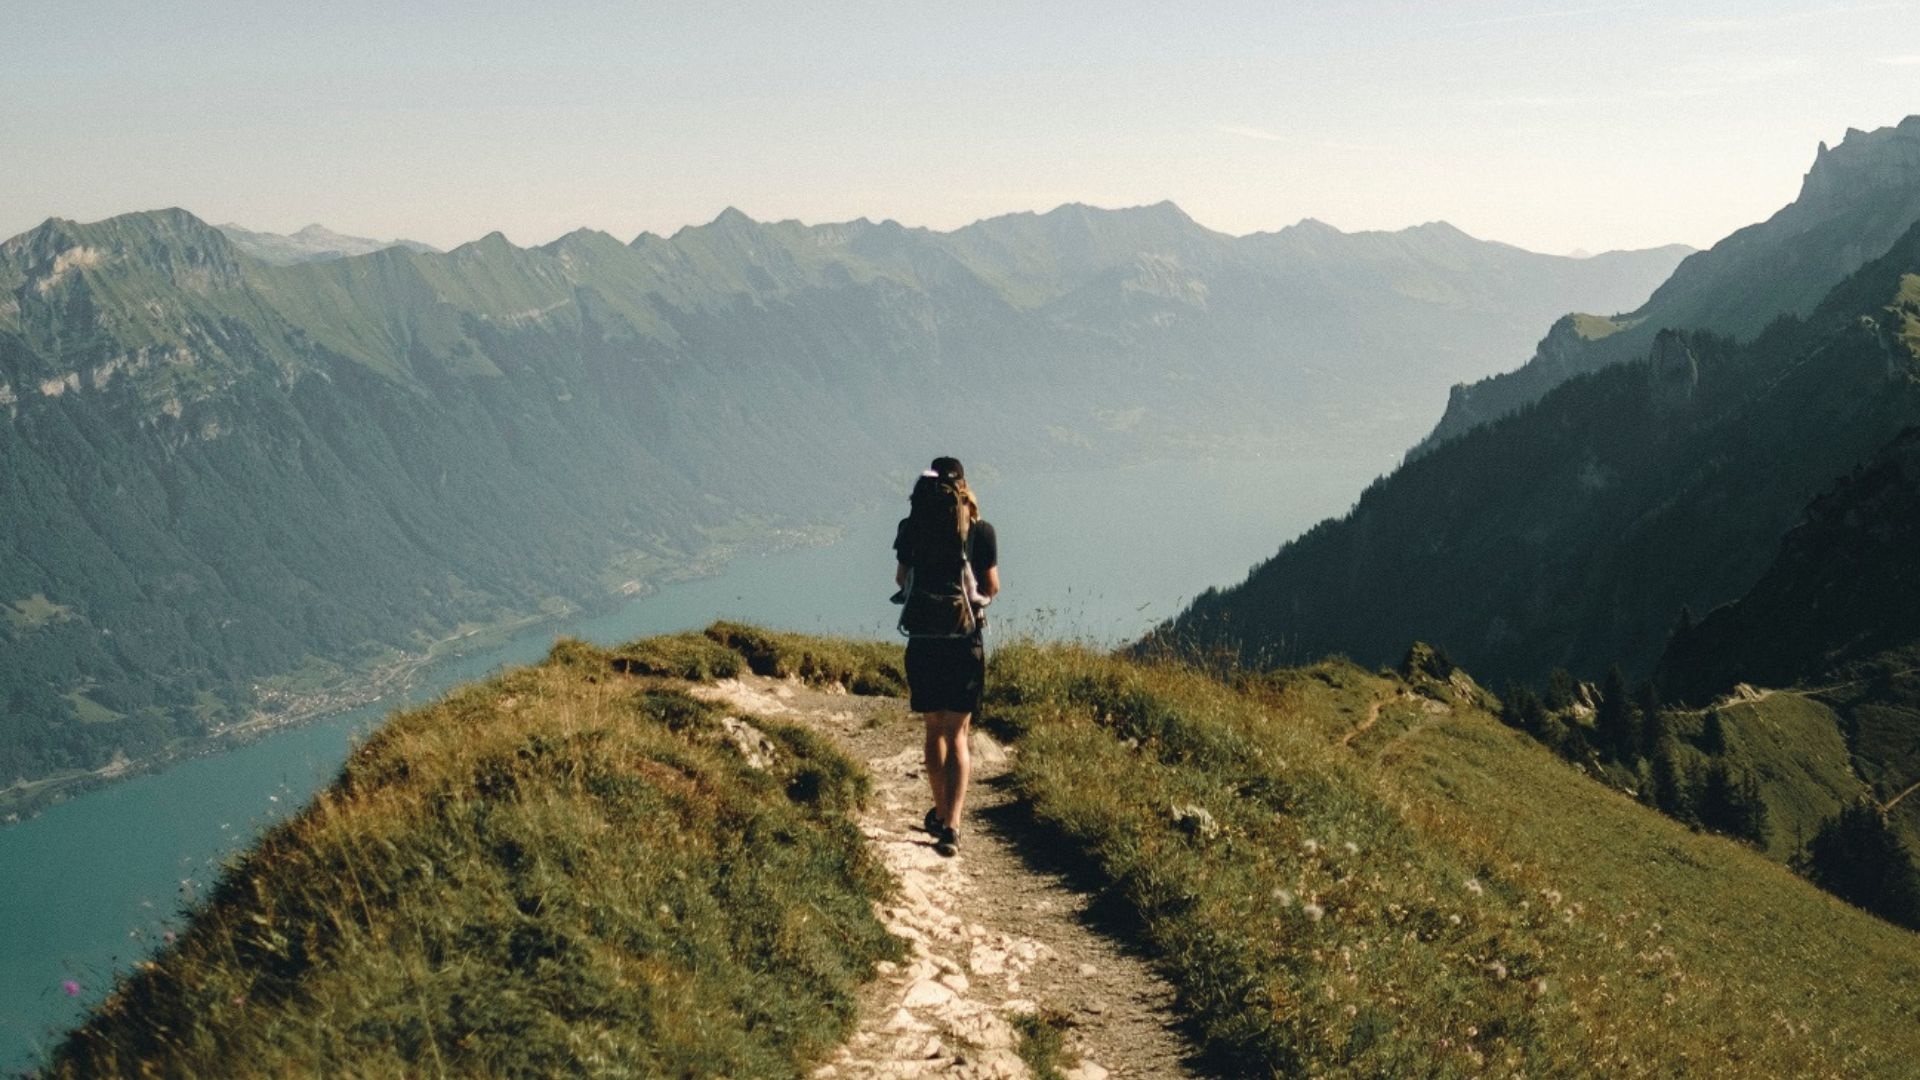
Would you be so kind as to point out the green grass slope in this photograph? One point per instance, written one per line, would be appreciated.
(569, 869)
(1355, 874)
(566, 870)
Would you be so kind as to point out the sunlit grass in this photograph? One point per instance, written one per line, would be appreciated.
(563, 871)
(1434, 894)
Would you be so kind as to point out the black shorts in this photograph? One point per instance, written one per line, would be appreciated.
(946, 674)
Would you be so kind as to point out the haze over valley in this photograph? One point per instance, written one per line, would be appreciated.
(454, 639)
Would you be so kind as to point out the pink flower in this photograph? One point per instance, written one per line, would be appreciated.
(71, 988)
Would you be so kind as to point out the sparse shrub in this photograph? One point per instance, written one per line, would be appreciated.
(1043, 1041)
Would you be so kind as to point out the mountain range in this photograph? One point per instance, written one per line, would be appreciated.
(233, 484)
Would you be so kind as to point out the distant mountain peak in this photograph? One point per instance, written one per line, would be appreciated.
(1881, 159)
(312, 243)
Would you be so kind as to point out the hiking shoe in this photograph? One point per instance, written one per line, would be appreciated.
(947, 842)
(931, 823)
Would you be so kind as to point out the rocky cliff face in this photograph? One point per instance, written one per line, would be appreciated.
(1856, 200)
(1673, 372)
(1864, 164)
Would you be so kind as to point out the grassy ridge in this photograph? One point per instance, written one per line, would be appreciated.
(1357, 874)
(563, 870)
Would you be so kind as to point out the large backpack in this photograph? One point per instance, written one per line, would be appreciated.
(942, 596)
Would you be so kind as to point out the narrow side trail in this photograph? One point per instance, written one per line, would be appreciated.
(991, 936)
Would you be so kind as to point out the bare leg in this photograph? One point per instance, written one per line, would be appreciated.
(949, 765)
(936, 761)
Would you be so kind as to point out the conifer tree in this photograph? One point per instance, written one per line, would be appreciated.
(1713, 737)
(1560, 690)
(1614, 719)
(1857, 857)
(1730, 803)
(1668, 781)
(1653, 724)
(1521, 708)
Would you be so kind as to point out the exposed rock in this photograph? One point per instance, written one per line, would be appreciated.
(753, 744)
(1672, 372)
(1195, 821)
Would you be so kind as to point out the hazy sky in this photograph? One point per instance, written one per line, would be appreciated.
(1554, 126)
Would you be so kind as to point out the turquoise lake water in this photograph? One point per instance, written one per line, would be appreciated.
(93, 884)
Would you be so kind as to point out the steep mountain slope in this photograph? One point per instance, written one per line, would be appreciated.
(1834, 619)
(1844, 588)
(1855, 201)
(1573, 533)
(315, 243)
(229, 482)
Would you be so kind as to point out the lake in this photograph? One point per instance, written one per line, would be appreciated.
(94, 884)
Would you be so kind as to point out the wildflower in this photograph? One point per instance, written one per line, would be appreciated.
(168, 937)
(1313, 912)
(1310, 846)
(1284, 896)
(1497, 969)
(1352, 848)
(1473, 886)
(70, 988)
(1454, 920)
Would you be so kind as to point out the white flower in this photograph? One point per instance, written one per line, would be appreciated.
(1314, 912)
(1473, 886)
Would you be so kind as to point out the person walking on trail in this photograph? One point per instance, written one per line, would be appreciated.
(948, 570)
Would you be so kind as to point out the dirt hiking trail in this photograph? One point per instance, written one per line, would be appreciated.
(992, 935)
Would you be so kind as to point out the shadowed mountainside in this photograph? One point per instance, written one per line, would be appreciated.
(1573, 533)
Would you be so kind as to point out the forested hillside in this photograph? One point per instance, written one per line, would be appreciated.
(1575, 533)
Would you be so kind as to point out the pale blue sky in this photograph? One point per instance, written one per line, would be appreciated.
(1553, 126)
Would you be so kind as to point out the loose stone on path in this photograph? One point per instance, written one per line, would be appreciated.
(989, 938)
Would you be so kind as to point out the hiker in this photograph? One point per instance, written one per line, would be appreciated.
(948, 571)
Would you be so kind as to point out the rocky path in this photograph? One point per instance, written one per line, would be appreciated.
(992, 935)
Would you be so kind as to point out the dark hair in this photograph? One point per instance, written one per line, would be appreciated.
(949, 467)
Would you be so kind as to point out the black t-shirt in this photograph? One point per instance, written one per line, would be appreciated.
(983, 548)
